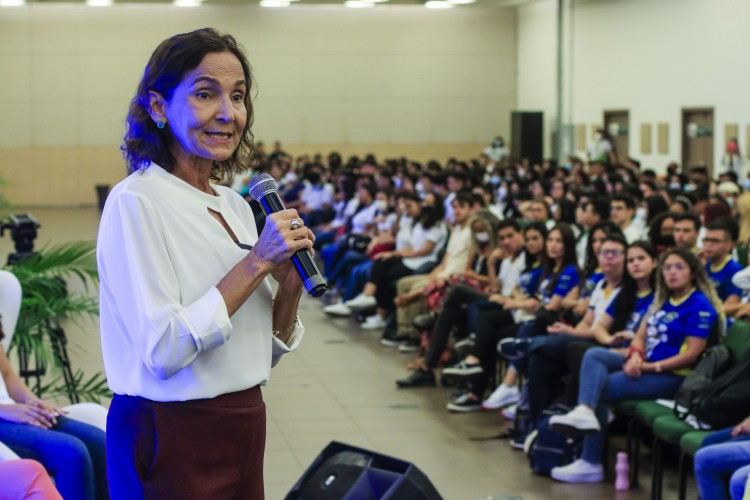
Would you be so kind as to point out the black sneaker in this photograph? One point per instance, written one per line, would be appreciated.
(410, 345)
(514, 348)
(424, 321)
(391, 338)
(418, 378)
(466, 402)
(463, 369)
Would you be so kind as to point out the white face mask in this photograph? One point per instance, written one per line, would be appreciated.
(382, 205)
(482, 237)
(419, 187)
(675, 185)
(502, 193)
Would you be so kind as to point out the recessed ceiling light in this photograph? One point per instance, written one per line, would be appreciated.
(358, 4)
(187, 3)
(438, 4)
(100, 3)
(461, 2)
(274, 4)
(377, 1)
(12, 3)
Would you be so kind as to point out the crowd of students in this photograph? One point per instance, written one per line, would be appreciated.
(597, 281)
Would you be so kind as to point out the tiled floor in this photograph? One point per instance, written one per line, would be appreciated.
(340, 386)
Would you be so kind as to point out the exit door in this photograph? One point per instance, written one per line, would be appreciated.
(698, 138)
(617, 125)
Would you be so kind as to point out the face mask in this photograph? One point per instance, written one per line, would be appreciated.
(568, 166)
(313, 178)
(482, 237)
(641, 213)
(502, 192)
(730, 202)
(689, 187)
(397, 182)
(495, 180)
(521, 173)
(675, 185)
(382, 205)
(666, 240)
(419, 187)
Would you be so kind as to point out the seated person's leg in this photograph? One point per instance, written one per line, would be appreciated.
(26, 479)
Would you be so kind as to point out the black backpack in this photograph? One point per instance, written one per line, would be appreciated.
(551, 449)
(716, 361)
(726, 401)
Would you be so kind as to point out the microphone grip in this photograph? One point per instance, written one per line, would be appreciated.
(302, 260)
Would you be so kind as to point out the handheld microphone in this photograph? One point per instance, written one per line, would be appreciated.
(263, 190)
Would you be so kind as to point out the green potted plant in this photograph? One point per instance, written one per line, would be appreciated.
(39, 339)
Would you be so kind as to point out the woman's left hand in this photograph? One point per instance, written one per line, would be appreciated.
(52, 411)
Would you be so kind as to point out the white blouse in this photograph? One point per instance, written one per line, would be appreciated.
(166, 333)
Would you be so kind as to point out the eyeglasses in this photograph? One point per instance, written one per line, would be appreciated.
(713, 241)
(676, 267)
(611, 253)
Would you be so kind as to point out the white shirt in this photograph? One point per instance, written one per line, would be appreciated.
(166, 333)
(581, 248)
(633, 233)
(363, 218)
(418, 239)
(5, 398)
(457, 251)
(599, 302)
(315, 197)
(510, 273)
(403, 236)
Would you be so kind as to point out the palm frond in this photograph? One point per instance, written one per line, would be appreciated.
(62, 260)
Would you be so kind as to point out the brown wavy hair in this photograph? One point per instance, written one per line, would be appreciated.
(144, 142)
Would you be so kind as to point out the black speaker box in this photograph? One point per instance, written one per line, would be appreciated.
(527, 136)
(344, 472)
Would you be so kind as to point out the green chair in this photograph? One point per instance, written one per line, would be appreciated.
(669, 429)
(690, 443)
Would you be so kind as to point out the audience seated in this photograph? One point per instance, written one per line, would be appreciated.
(564, 280)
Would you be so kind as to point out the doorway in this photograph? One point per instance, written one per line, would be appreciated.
(617, 125)
(698, 139)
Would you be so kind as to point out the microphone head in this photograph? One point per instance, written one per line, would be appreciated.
(261, 185)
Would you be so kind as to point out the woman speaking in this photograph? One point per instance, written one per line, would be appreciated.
(190, 326)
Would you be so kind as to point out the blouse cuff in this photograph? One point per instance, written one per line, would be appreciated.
(208, 320)
(280, 348)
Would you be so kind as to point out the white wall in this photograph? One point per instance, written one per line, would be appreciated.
(653, 57)
(325, 74)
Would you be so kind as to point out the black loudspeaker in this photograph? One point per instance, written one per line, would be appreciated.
(527, 136)
(344, 472)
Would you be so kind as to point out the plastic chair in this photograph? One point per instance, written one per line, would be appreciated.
(10, 307)
(7, 454)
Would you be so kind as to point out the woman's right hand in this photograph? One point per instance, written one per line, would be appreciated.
(278, 241)
(632, 366)
(26, 414)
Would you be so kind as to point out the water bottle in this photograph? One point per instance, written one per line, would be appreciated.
(622, 472)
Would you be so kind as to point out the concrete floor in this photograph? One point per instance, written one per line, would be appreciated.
(340, 386)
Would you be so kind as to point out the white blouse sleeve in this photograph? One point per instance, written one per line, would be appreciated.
(139, 278)
(279, 348)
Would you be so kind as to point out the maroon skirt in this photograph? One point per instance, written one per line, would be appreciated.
(200, 449)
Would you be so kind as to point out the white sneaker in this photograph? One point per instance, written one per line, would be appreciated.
(361, 301)
(509, 412)
(579, 471)
(503, 395)
(580, 420)
(374, 322)
(337, 309)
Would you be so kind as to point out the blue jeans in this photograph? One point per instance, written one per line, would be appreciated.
(604, 382)
(343, 266)
(357, 279)
(73, 452)
(714, 462)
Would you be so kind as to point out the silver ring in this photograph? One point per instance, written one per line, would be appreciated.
(296, 224)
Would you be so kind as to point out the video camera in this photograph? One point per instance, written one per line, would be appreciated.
(23, 231)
